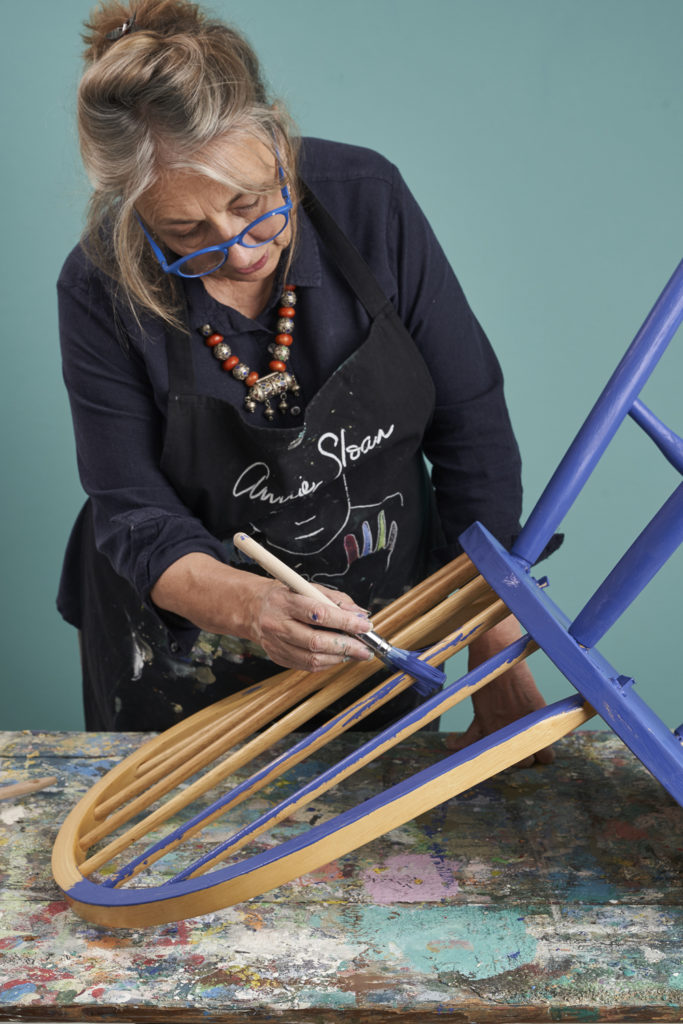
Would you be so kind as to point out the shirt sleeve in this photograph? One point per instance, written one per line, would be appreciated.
(476, 466)
(141, 525)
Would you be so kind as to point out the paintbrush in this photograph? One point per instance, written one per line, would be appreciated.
(427, 678)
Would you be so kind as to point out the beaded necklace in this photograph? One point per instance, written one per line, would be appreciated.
(278, 383)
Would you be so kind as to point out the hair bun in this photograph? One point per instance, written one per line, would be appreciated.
(108, 21)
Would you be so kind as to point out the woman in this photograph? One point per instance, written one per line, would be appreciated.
(261, 334)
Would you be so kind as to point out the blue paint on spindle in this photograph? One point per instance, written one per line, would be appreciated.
(668, 442)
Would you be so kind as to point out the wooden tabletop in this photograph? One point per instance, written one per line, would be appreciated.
(545, 894)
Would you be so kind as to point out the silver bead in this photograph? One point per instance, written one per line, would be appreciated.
(222, 350)
(250, 405)
(269, 412)
(206, 330)
(281, 352)
(285, 325)
(241, 371)
(288, 299)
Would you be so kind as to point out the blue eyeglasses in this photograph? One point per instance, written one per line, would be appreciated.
(205, 261)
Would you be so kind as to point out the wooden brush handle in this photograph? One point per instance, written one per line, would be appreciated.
(272, 564)
(31, 786)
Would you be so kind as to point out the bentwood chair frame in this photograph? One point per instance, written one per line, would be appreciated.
(177, 781)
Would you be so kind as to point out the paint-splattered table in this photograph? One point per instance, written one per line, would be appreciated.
(546, 894)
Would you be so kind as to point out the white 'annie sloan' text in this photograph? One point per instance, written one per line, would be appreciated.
(254, 480)
(335, 447)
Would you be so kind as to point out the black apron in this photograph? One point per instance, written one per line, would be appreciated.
(345, 499)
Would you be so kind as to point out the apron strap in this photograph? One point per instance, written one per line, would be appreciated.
(179, 354)
(352, 265)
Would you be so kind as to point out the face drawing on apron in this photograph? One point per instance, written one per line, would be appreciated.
(303, 525)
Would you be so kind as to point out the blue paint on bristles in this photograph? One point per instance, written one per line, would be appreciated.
(428, 679)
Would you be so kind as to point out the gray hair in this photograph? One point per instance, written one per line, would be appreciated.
(161, 97)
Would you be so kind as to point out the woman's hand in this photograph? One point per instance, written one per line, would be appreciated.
(505, 699)
(300, 632)
(294, 631)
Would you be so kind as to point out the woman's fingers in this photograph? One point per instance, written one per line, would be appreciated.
(300, 632)
(342, 600)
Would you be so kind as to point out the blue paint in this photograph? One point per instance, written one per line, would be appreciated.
(17, 992)
(427, 678)
(669, 443)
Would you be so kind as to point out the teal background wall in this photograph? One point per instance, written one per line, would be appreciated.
(542, 137)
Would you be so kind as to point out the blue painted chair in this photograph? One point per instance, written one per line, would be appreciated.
(572, 645)
(469, 596)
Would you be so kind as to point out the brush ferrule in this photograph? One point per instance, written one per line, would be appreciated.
(380, 647)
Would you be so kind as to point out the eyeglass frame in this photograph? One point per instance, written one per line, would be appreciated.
(222, 247)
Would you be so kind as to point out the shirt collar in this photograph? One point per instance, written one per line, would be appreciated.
(304, 272)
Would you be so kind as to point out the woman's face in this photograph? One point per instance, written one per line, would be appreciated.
(188, 211)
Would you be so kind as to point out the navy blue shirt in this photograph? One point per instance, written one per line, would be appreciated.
(116, 373)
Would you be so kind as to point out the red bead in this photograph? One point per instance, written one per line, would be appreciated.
(287, 311)
(275, 364)
(283, 339)
(228, 364)
(214, 339)
(251, 379)
(290, 288)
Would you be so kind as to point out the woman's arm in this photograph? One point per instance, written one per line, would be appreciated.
(294, 631)
(141, 525)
